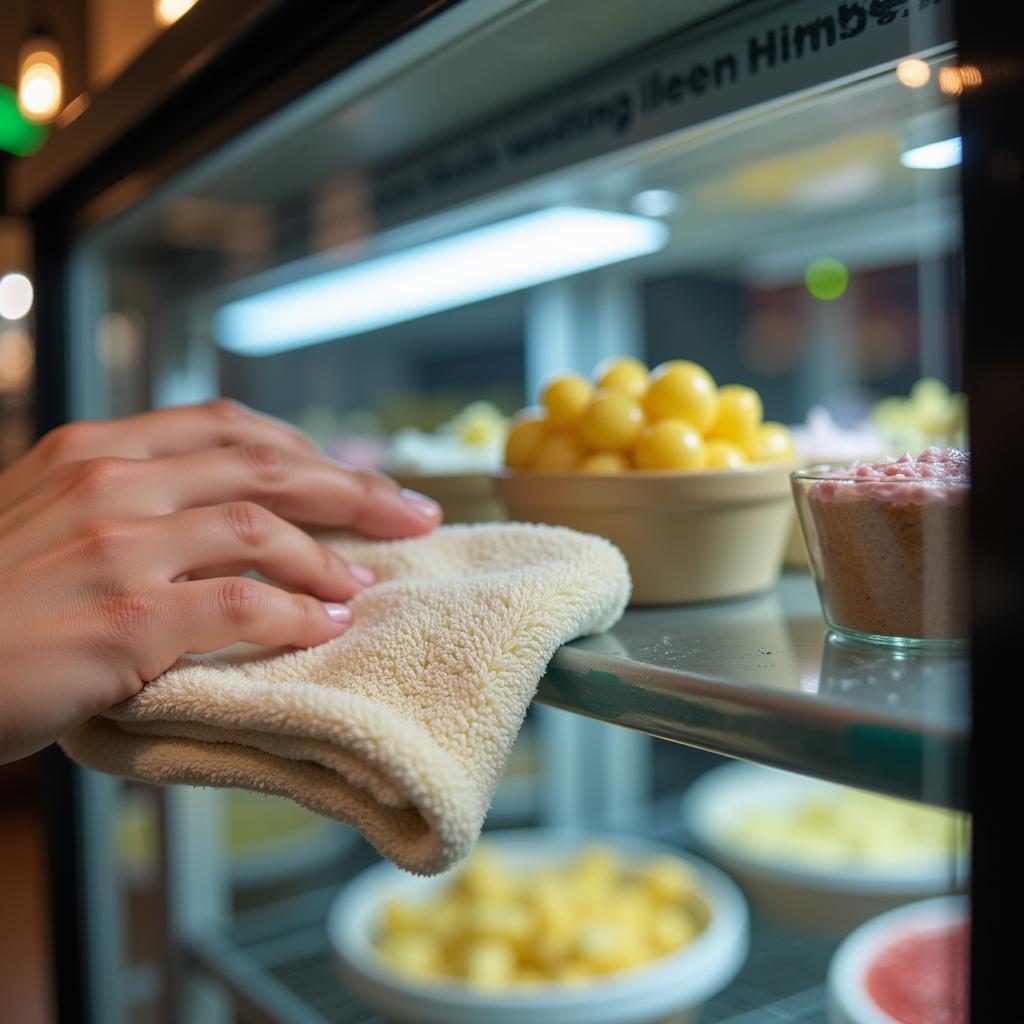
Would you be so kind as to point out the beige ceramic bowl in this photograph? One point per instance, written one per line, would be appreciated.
(795, 555)
(695, 536)
(465, 497)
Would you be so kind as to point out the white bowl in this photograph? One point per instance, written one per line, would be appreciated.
(670, 987)
(828, 897)
(848, 999)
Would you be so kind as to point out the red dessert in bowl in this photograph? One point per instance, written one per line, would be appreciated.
(921, 978)
(909, 966)
(888, 545)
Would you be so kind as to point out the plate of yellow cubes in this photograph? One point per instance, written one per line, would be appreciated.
(544, 926)
(685, 476)
(821, 855)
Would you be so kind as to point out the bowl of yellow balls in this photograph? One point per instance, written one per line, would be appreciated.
(544, 926)
(684, 476)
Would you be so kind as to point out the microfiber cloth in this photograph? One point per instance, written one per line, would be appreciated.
(400, 727)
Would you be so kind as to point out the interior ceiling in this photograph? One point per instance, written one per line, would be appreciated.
(533, 47)
(823, 167)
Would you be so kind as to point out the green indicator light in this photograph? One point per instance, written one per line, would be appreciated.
(17, 134)
(826, 279)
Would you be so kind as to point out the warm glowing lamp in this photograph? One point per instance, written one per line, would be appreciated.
(167, 12)
(40, 79)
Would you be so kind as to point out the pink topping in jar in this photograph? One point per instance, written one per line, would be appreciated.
(938, 474)
(922, 978)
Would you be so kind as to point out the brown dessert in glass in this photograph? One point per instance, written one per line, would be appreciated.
(888, 545)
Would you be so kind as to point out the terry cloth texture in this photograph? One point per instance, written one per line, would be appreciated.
(400, 727)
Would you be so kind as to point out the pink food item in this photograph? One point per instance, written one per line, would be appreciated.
(922, 978)
(891, 545)
(359, 452)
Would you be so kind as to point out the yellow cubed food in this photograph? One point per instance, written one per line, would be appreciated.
(672, 928)
(485, 873)
(530, 977)
(598, 861)
(490, 964)
(566, 398)
(551, 949)
(575, 972)
(632, 907)
(600, 944)
(590, 892)
(400, 916)
(414, 954)
(670, 879)
(554, 911)
(448, 917)
(499, 919)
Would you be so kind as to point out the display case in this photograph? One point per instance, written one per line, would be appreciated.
(363, 220)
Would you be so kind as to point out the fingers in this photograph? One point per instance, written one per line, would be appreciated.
(239, 536)
(307, 490)
(181, 429)
(209, 614)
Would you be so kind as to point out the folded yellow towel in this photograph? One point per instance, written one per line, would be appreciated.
(401, 727)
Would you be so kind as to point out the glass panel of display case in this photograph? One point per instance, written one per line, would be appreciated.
(771, 194)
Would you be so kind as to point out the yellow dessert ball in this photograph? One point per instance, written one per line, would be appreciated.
(612, 422)
(566, 399)
(771, 442)
(739, 414)
(669, 444)
(528, 430)
(682, 390)
(602, 463)
(724, 454)
(623, 373)
(559, 452)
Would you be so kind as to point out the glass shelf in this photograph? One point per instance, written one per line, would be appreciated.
(762, 678)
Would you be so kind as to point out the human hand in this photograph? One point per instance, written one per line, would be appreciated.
(112, 568)
(151, 435)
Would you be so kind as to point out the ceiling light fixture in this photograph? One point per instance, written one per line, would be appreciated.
(479, 264)
(913, 73)
(15, 296)
(655, 202)
(40, 77)
(167, 12)
(933, 156)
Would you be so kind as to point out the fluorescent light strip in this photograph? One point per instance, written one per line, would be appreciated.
(478, 264)
(933, 157)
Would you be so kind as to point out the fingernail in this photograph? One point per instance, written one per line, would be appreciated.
(361, 574)
(421, 503)
(338, 612)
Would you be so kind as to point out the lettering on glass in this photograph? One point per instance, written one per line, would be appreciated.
(596, 120)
